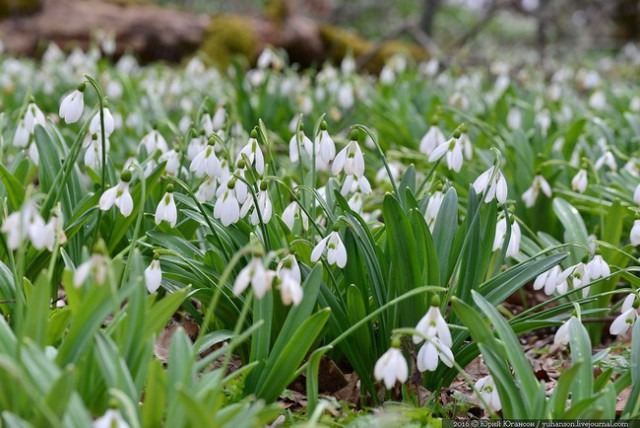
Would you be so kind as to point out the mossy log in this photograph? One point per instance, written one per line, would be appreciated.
(155, 33)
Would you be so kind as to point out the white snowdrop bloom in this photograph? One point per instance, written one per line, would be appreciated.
(396, 169)
(531, 194)
(33, 154)
(263, 210)
(356, 202)
(432, 139)
(16, 226)
(431, 325)
(607, 159)
(219, 117)
(628, 316)
(494, 183)
(634, 236)
(118, 196)
(576, 276)
(336, 251)
(348, 65)
(598, 268)
(196, 145)
(255, 274)
(154, 141)
(514, 241)
(579, 181)
(253, 152)
(588, 79)
(431, 67)
(293, 211)
(543, 120)
(153, 275)
(350, 160)
(227, 208)
(433, 207)
(206, 162)
(548, 280)
(598, 101)
(355, 184)
(207, 190)
(290, 291)
(38, 232)
(109, 124)
(467, 148)
(489, 392)
(305, 142)
(514, 118)
(72, 106)
(96, 266)
(167, 210)
(22, 135)
(289, 266)
(111, 419)
(391, 367)
(34, 116)
(387, 75)
(345, 97)
(206, 123)
(267, 59)
(433, 351)
(114, 89)
(172, 159)
(561, 338)
(634, 104)
(93, 154)
(324, 146)
(636, 195)
(452, 149)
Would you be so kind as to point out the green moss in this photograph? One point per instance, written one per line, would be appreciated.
(18, 7)
(227, 36)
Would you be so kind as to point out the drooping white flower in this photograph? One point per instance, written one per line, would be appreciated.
(167, 210)
(111, 419)
(207, 190)
(433, 207)
(345, 96)
(514, 241)
(172, 159)
(573, 277)
(325, 147)
(350, 160)
(22, 135)
(72, 106)
(634, 236)
(432, 139)
(293, 211)
(16, 226)
(219, 118)
(355, 184)
(33, 116)
(336, 251)
(431, 325)
(206, 162)
(391, 367)
(607, 159)
(489, 392)
(118, 196)
(514, 118)
(95, 266)
(227, 208)
(623, 322)
(579, 181)
(153, 141)
(548, 281)
(253, 152)
(494, 183)
(561, 338)
(433, 351)
(255, 274)
(263, 210)
(305, 143)
(598, 268)
(531, 194)
(453, 151)
(109, 123)
(153, 275)
(288, 272)
(636, 195)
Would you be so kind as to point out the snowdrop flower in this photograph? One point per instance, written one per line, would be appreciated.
(227, 208)
(111, 419)
(433, 207)
(548, 281)
(288, 266)
(264, 209)
(288, 273)
(293, 211)
(598, 268)
(350, 160)
(109, 124)
(172, 159)
(636, 195)
(387, 75)
(598, 101)
(255, 274)
(95, 266)
(345, 97)
(196, 145)
(305, 143)
(634, 236)
(167, 210)
(579, 181)
(561, 338)
(34, 116)
(324, 146)
(269, 58)
(153, 275)
(494, 183)
(531, 194)
(453, 151)
(219, 118)
(514, 118)
(628, 316)
(432, 139)
(336, 251)
(206, 162)
(207, 190)
(16, 226)
(514, 241)
(607, 159)
(154, 141)
(22, 135)
(431, 325)
(575, 276)
(431, 352)
(72, 105)
(489, 392)
(118, 196)
(391, 367)
(253, 152)
(355, 184)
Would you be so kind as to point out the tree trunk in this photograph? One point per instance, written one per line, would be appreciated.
(429, 10)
